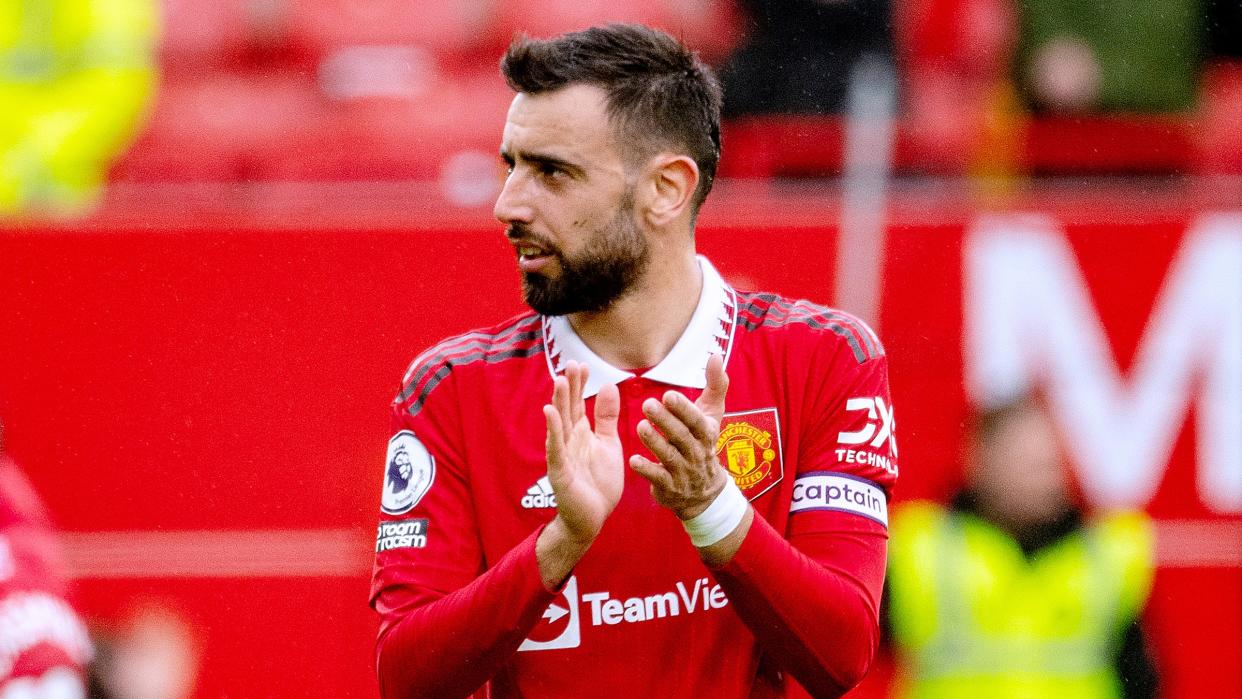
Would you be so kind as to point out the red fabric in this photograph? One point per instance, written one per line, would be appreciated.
(473, 630)
(39, 632)
(790, 592)
(641, 615)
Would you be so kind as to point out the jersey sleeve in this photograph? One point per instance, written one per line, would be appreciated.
(446, 622)
(811, 594)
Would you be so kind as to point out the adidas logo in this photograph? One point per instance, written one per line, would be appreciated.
(539, 495)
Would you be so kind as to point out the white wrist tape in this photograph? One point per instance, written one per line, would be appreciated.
(719, 519)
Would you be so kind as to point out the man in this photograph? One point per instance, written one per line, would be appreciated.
(744, 546)
(1011, 592)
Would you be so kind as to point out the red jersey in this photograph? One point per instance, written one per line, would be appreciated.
(43, 645)
(807, 436)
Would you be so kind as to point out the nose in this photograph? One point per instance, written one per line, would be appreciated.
(512, 205)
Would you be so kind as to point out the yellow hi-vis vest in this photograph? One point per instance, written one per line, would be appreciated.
(973, 617)
(76, 78)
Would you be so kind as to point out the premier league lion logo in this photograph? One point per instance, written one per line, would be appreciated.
(411, 469)
(399, 470)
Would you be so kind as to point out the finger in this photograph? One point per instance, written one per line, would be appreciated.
(712, 400)
(668, 454)
(673, 429)
(653, 472)
(607, 411)
(560, 398)
(577, 381)
(691, 416)
(556, 438)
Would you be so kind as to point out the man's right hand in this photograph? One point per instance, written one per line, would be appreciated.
(585, 468)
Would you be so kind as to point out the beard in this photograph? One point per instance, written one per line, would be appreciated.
(608, 266)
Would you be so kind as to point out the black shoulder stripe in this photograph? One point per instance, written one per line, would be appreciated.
(446, 368)
(445, 350)
(774, 312)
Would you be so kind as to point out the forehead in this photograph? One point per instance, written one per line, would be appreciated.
(571, 122)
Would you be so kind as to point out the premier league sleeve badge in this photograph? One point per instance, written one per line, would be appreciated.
(409, 474)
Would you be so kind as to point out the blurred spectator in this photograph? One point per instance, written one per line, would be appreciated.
(75, 79)
(1011, 592)
(1080, 56)
(800, 55)
(152, 655)
(957, 96)
(43, 645)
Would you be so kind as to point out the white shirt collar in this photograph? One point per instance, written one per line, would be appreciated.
(710, 332)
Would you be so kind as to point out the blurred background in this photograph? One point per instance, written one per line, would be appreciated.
(226, 227)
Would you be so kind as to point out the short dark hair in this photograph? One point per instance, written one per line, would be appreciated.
(660, 94)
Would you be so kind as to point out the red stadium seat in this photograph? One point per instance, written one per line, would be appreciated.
(224, 126)
(708, 26)
(448, 28)
(199, 36)
(1220, 120)
(400, 137)
(1129, 144)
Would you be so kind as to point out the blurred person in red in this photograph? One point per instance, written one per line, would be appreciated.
(958, 99)
(43, 644)
(1012, 590)
(651, 484)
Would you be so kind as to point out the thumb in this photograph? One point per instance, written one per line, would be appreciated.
(607, 411)
(712, 400)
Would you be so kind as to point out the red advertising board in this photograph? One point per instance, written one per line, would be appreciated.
(204, 409)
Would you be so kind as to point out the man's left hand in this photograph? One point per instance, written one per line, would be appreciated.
(682, 435)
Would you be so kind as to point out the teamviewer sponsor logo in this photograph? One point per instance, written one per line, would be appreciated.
(559, 627)
(539, 496)
(562, 622)
(839, 492)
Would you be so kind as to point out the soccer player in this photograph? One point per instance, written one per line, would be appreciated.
(653, 485)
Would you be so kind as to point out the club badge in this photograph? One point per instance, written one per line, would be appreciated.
(409, 474)
(749, 446)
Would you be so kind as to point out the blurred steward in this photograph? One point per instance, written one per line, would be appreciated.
(43, 645)
(1012, 591)
(75, 80)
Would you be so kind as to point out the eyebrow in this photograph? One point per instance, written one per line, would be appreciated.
(541, 159)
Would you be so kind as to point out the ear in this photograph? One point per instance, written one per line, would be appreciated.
(669, 188)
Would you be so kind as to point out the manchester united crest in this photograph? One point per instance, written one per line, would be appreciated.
(749, 446)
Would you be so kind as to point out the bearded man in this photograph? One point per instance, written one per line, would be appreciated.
(719, 461)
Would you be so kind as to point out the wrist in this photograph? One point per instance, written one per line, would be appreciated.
(570, 536)
(720, 518)
(558, 551)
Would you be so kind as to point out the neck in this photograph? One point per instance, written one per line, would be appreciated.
(641, 328)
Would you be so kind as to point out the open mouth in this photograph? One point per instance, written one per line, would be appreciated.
(532, 256)
(531, 252)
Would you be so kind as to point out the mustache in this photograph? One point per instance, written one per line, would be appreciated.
(517, 231)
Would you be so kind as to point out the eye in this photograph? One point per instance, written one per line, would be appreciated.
(548, 170)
